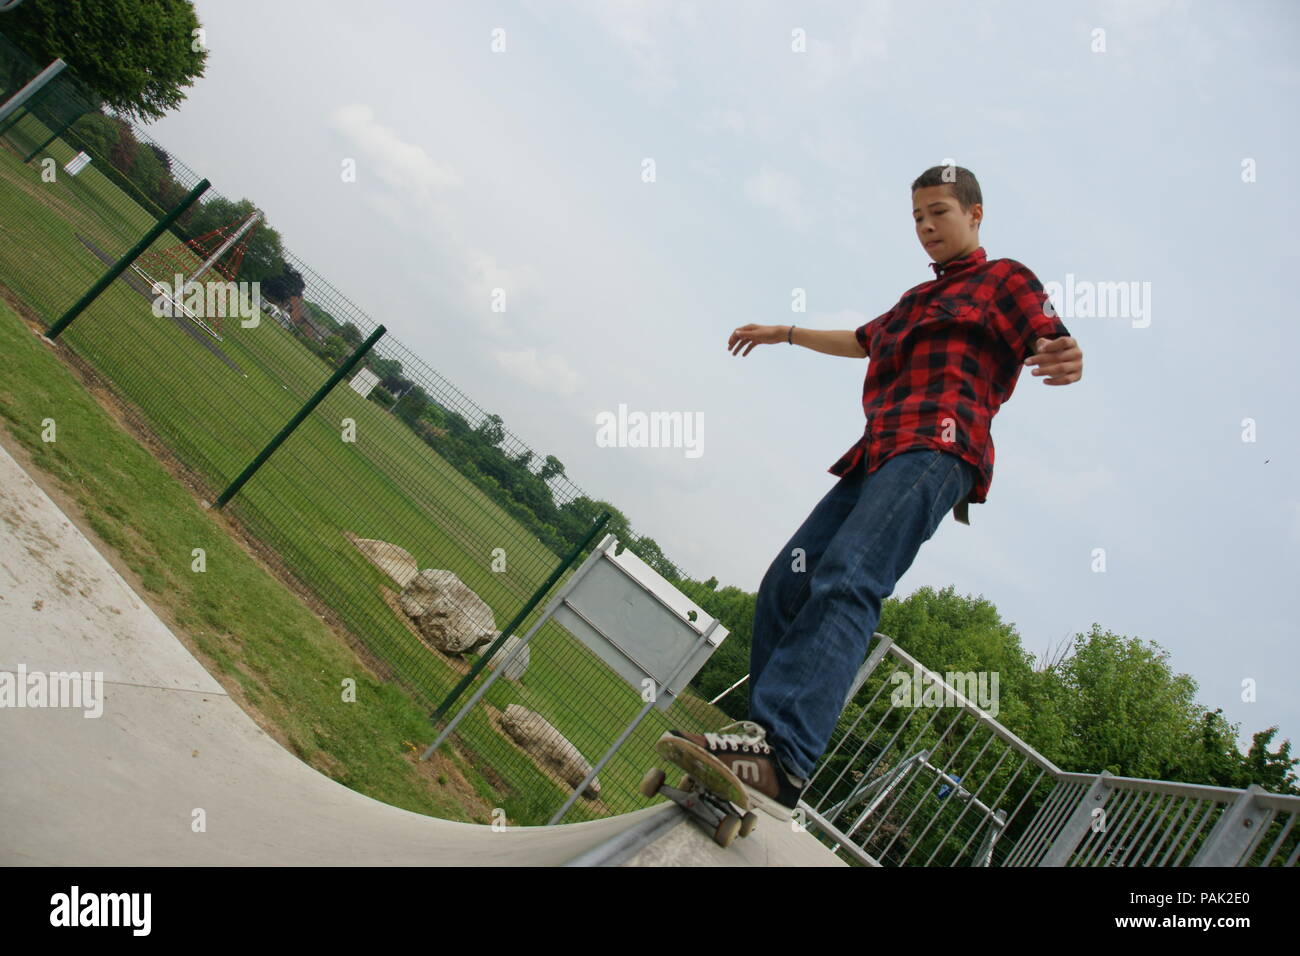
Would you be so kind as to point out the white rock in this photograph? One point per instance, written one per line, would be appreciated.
(447, 613)
(549, 747)
(516, 667)
(394, 561)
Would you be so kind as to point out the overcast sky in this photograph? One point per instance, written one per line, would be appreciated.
(1144, 143)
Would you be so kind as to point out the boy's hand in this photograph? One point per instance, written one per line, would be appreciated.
(752, 335)
(1062, 359)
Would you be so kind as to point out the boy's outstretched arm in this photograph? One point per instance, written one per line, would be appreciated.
(1060, 359)
(831, 342)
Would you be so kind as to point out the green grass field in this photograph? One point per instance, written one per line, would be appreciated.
(388, 485)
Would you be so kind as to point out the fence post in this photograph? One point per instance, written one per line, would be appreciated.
(11, 105)
(117, 268)
(298, 419)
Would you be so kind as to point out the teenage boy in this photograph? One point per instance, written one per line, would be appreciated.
(943, 360)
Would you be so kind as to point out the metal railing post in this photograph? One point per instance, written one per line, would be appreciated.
(1075, 828)
(1242, 824)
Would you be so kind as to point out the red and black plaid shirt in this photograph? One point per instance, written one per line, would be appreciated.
(944, 359)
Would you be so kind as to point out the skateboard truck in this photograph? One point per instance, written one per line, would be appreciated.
(713, 810)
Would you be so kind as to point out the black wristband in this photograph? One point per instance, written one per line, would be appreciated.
(790, 335)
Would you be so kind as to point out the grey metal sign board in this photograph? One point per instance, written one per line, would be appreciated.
(636, 621)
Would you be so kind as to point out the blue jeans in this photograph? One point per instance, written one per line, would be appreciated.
(812, 624)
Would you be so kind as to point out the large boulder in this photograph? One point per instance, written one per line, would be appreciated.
(395, 562)
(549, 747)
(448, 615)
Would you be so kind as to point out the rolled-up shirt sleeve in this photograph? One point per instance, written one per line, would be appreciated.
(1023, 313)
(867, 329)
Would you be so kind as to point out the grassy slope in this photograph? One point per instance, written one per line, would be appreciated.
(248, 629)
(388, 485)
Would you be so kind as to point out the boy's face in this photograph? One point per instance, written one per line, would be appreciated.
(944, 230)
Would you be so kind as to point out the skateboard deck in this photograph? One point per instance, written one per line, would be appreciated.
(709, 792)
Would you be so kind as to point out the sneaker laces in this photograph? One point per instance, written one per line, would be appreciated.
(751, 739)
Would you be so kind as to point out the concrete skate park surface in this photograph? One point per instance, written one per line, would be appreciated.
(121, 789)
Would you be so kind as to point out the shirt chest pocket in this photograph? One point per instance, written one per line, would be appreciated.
(955, 313)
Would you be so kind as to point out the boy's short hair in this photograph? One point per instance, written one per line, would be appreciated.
(965, 188)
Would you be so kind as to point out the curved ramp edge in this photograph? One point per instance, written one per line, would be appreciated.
(126, 787)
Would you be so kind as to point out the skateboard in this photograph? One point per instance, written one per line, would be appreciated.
(707, 791)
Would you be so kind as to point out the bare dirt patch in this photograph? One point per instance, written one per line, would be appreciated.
(443, 775)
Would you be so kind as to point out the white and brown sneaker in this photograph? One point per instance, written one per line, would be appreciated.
(750, 757)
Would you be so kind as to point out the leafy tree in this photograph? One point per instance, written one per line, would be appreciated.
(397, 384)
(457, 423)
(100, 133)
(491, 430)
(410, 406)
(532, 493)
(1128, 712)
(648, 550)
(1272, 771)
(162, 156)
(283, 287)
(124, 151)
(264, 252)
(387, 370)
(1207, 753)
(137, 55)
(551, 468)
(492, 461)
(148, 166)
(579, 514)
(734, 607)
(147, 171)
(321, 317)
(336, 349)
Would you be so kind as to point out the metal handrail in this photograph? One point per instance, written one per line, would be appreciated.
(1083, 819)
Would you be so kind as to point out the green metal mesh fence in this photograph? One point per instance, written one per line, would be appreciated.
(413, 465)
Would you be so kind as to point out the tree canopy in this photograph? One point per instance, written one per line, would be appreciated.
(136, 55)
(264, 253)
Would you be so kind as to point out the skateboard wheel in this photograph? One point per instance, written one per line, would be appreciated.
(687, 783)
(651, 782)
(727, 829)
(747, 823)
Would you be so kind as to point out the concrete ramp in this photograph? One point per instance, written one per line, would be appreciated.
(126, 787)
